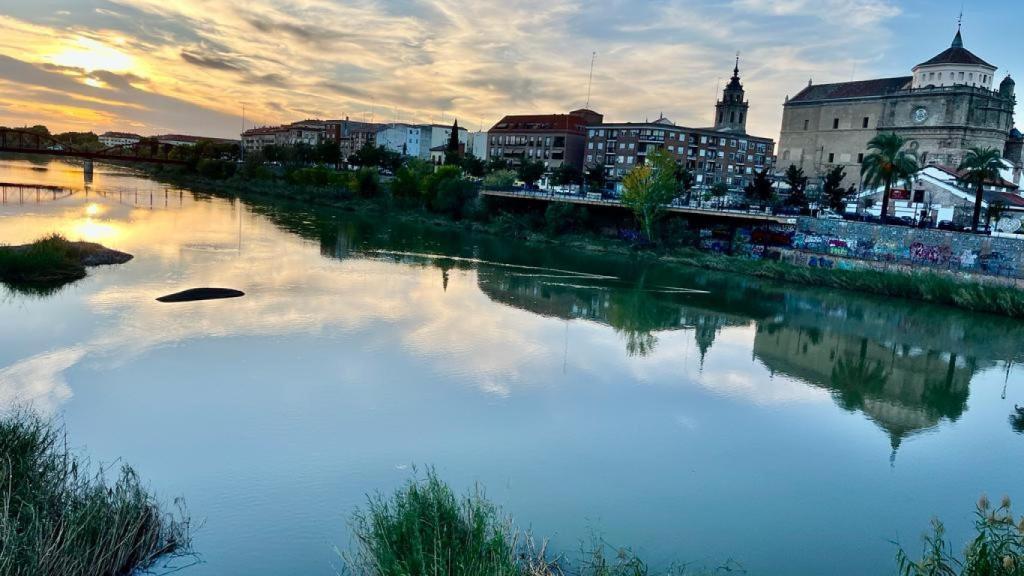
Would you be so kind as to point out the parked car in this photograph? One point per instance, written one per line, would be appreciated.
(829, 215)
(947, 225)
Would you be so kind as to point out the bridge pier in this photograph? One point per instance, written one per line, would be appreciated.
(87, 168)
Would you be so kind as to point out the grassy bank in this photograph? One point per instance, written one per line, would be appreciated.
(569, 228)
(47, 261)
(51, 262)
(58, 518)
(424, 529)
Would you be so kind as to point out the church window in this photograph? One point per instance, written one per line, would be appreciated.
(961, 75)
(831, 157)
(835, 123)
(719, 116)
(931, 75)
(860, 158)
(741, 117)
(864, 124)
(785, 154)
(972, 77)
(806, 123)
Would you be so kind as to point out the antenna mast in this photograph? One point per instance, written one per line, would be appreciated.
(590, 82)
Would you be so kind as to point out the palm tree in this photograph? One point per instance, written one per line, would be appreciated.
(886, 163)
(980, 165)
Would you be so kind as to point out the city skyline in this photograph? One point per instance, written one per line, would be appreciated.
(150, 67)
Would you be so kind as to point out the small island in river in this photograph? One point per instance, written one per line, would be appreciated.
(53, 261)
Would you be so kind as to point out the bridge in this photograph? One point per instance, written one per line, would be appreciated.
(738, 216)
(17, 141)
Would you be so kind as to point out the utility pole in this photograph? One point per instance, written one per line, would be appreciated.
(241, 137)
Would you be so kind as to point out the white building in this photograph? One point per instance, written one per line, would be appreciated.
(109, 139)
(401, 138)
(477, 145)
(434, 135)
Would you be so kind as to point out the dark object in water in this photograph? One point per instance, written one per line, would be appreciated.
(194, 294)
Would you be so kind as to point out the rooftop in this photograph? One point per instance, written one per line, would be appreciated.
(855, 89)
(957, 54)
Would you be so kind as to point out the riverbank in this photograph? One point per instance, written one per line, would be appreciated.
(53, 261)
(565, 230)
(60, 518)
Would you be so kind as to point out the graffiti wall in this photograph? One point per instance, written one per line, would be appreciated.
(935, 249)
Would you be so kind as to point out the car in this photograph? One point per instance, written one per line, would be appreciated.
(829, 215)
(947, 225)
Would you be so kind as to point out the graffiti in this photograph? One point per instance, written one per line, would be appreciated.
(930, 254)
(820, 262)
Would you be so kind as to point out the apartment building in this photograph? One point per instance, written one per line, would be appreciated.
(109, 139)
(554, 139)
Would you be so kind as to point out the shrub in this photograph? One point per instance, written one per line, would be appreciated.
(563, 217)
(424, 529)
(500, 180)
(215, 169)
(367, 183)
(59, 519)
(317, 177)
(49, 260)
(453, 195)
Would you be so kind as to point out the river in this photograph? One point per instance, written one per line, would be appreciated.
(694, 417)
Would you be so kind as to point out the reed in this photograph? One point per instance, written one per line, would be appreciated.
(57, 517)
(49, 260)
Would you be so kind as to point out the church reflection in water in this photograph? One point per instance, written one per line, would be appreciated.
(906, 366)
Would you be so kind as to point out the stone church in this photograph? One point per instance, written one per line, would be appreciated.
(945, 107)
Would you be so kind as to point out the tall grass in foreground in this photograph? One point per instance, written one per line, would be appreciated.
(996, 550)
(57, 518)
(50, 259)
(424, 529)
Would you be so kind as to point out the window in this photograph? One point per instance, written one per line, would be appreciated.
(961, 75)
(590, 157)
(835, 123)
(622, 159)
(590, 145)
(831, 157)
(864, 124)
(860, 158)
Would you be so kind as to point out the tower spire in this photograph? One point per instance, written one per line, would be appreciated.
(736, 69)
(958, 40)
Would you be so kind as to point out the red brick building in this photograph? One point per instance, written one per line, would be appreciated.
(554, 139)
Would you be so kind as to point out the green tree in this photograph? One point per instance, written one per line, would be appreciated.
(567, 175)
(595, 176)
(888, 162)
(719, 191)
(980, 165)
(648, 188)
(835, 195)
(797, 187)
(472, 165)
(530, 171)
(497, 164)
(500, 180)
(684, 182)
(452, 154)
(368, 155)
(760, 189)
(328, 153)
(367, 183)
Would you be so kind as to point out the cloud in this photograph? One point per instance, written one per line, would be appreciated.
(419, 59)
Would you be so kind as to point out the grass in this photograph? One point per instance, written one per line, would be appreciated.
(997, 548)
(49, 260)
(58, 518)
(425, 529)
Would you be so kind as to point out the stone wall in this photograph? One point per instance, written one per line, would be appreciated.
(937, 249)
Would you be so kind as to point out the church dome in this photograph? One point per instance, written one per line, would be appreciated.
(953, 66)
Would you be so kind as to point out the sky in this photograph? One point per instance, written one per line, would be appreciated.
(189, 66)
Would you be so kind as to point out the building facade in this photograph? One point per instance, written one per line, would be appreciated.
(352, 135)
(401, 138)
(722, 153)
(554, 139)
(109, 139)
(944, 108)
(434, 135)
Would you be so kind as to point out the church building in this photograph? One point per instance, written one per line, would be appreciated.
(945, 107)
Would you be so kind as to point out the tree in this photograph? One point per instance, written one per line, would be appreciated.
(472, 165)
(567, 175)
(797, 186)
(719, 191)
(368, 155)
(452, 154)
(496, 164)
(760, 189)
(835, 195)
(595, 176)
(647, 188)
(684, 181)
(530, 171)
(980, 165)
(328, 153)
(886, 164)
(500, 180)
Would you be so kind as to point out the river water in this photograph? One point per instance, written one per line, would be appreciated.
(691, 416)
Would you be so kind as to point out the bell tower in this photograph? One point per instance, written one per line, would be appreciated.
(731, 110)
